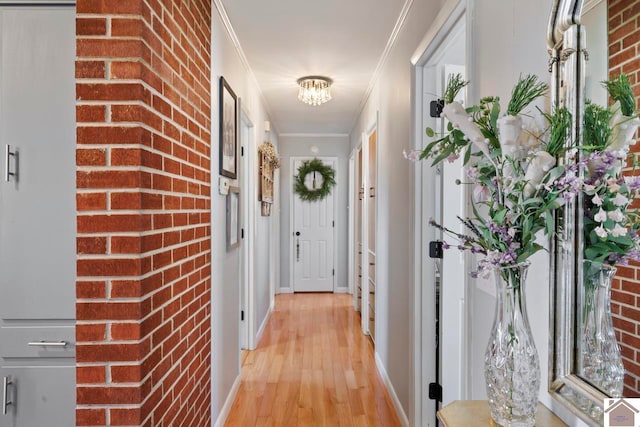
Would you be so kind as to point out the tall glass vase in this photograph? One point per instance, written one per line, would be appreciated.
(601, 361)
(511, 363)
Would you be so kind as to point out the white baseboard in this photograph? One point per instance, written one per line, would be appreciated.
(263, 326)
(285, 290)
(402, 416)
(341, 290)
(228, 403)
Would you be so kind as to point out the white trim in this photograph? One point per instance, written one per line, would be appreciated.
(341, 290)
(439, 31)
(590, 4)
(292, 163)
(285, 290)
(264, 324)
(427, 45)
(384, 57)
(402, 416)
(313, 135)
(226, 22)
(351, 196)
(228, 403)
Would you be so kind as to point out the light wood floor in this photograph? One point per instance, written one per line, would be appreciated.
(313, 367)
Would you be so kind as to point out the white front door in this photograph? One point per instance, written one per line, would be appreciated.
(313, 240)
(37, 215)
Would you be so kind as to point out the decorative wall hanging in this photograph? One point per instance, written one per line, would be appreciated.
(269, 162)
(314, 180)
(233, 218)
(228, 131)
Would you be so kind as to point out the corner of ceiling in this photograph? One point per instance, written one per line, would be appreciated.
(224, 17)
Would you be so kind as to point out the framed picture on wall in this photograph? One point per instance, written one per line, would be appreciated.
(233, 218)
(228, 131)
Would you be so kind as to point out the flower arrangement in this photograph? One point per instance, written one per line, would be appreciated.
(610, 227)
(511, 164)
(270, 151)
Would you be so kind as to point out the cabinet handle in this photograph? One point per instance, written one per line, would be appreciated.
(48, 343)
(5, 395)
(7, 163)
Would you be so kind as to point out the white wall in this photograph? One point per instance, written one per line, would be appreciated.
(225, 266)
(391, 96)
(329, 146)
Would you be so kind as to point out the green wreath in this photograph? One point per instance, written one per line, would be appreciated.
(314, 166)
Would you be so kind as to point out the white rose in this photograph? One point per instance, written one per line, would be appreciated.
(541, 163)
(623, 129)
(456, 114)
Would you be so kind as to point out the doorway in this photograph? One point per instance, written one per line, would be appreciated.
(37, 214)
(248, 226)
(440, 287)
(313, 240)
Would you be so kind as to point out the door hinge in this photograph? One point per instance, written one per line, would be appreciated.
(333, 272)
(436, 107)
(333, 224)
(242, 233)
(242, 151)
(435, 249)
(241, 315)
(435, 392)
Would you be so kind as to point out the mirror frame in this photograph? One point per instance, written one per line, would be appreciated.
(566, 43)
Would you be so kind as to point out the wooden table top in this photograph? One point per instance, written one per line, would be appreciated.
(475, 413)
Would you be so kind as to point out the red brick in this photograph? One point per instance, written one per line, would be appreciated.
(126, 289)
(91, 332)
(91, 26)
(126, 27)
(125, 331)
(124, 416)
(91, 113)
(91, 157)
(91, 245)
(91, 201)
(108, 179)
(126, 244)
(113, 223)
(111, 92)
(90, 70)
(91, 417)
(90, 374)
(108, 267)
(91, 289)
(107, 395)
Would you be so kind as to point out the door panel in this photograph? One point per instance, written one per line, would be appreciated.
(37, 214)
(313, 248)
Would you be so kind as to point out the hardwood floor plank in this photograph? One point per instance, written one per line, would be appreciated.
(313, 367)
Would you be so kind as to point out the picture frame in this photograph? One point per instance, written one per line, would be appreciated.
(228, 130)
(233, 218)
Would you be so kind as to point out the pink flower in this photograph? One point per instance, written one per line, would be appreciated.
(413, 155)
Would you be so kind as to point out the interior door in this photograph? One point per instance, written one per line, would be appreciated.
(37, 215)
(314, 229)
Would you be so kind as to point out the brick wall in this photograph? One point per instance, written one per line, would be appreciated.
(143, 201)
(624, 57)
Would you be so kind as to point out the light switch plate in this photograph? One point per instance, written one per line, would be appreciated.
(223, 186)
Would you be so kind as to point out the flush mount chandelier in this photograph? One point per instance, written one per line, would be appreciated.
(314, 90)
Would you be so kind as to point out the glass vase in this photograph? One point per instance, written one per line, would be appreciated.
(601, 361)
(511, 363)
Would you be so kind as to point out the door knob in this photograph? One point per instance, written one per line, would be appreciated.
(297, 233)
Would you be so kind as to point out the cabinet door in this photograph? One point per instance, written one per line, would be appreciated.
(37, 215)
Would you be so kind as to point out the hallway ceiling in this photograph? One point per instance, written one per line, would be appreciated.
(284, 40)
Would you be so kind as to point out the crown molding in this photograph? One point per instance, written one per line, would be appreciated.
(222, 12)
(590, 4)
(384, 57)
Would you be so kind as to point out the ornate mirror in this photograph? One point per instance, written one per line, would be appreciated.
(579, 37)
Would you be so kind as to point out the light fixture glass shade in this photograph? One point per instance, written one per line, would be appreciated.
(314, 90)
